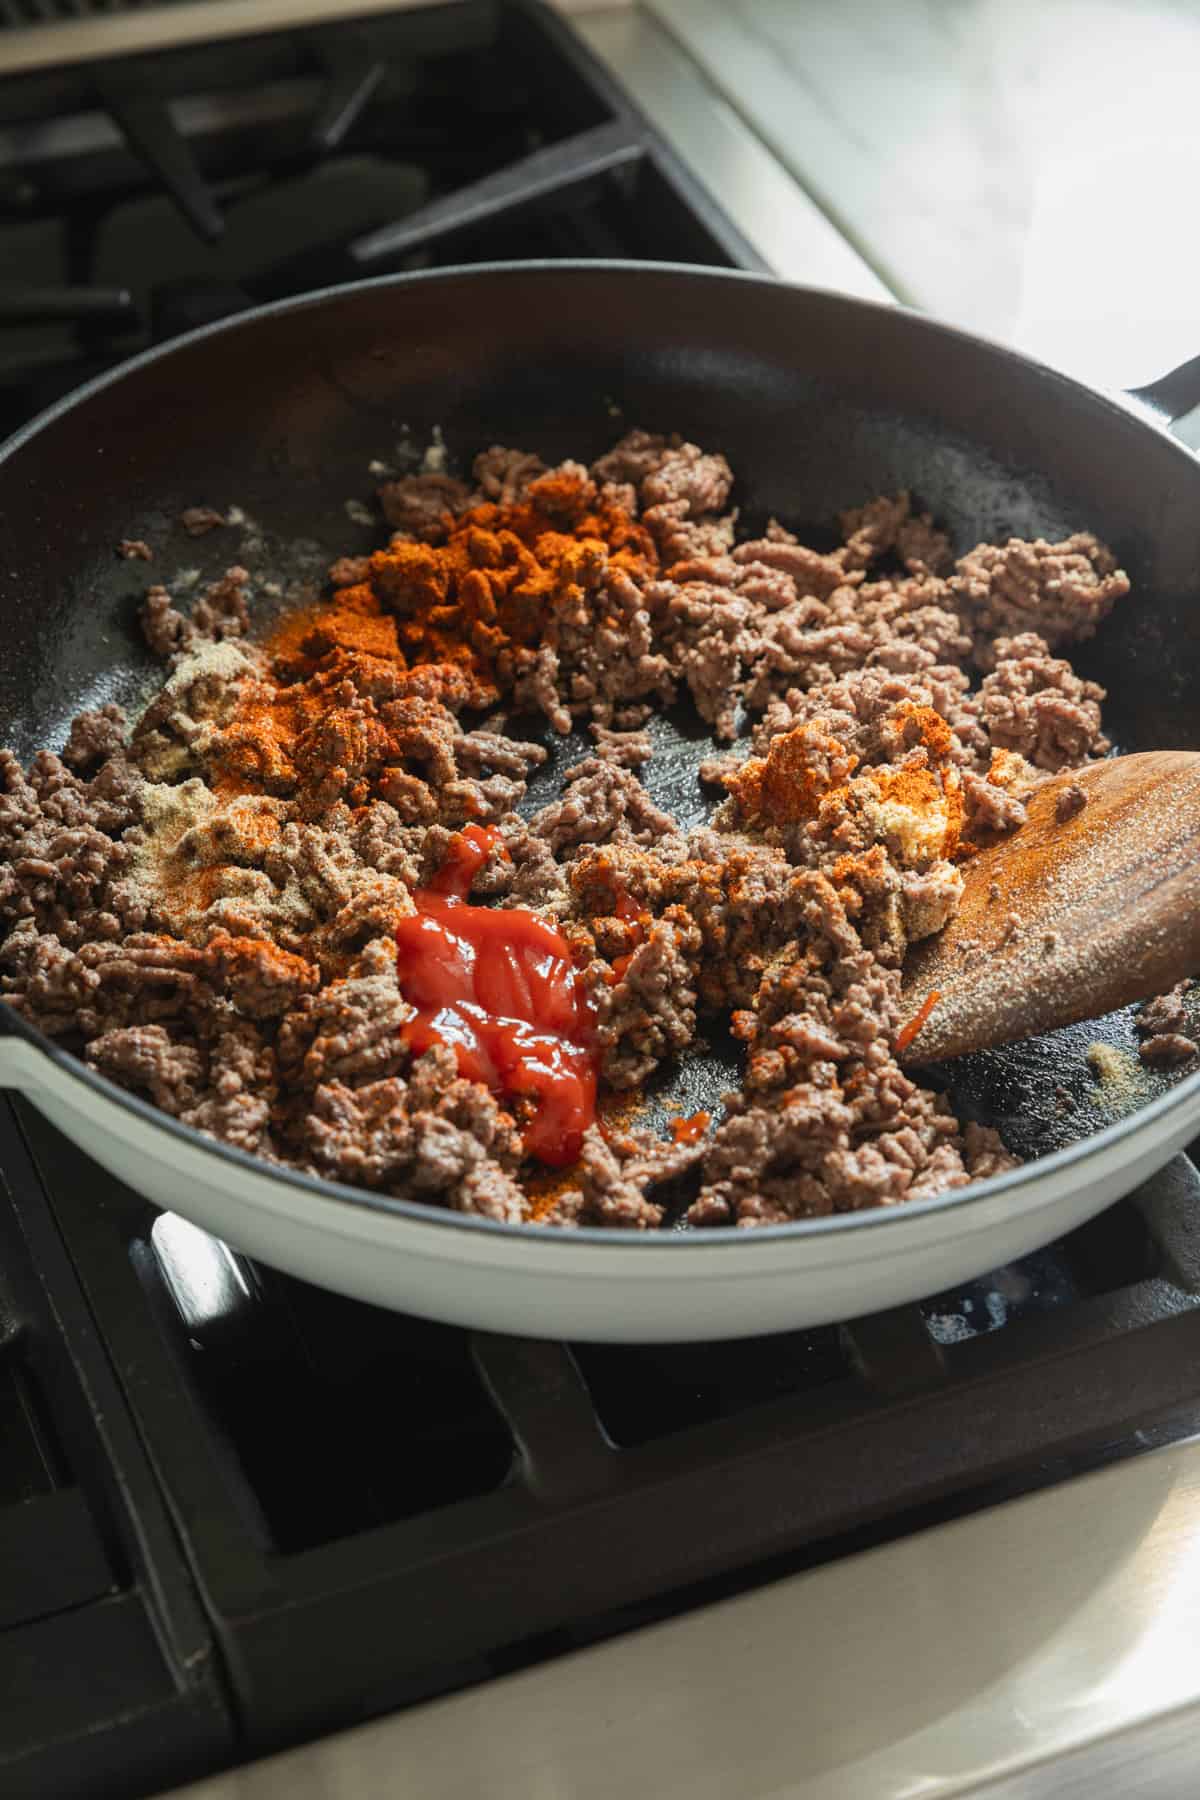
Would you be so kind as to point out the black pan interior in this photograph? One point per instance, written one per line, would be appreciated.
(818, 401)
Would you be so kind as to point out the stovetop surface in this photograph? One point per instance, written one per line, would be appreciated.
(142, 196)
(263, 1512)
(237, 1511)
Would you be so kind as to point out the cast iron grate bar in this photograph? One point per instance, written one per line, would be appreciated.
(537, 1388)
(102, 1637)
(894, 1351)
(555, 170)
(148, 128)
(101, 306)
(354, 73)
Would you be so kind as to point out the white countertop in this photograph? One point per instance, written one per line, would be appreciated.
(903, 1673)
(783, 223)
(1023, 167)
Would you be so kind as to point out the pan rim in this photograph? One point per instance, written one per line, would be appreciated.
(417, 1213)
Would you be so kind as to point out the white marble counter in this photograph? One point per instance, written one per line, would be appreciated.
(893, 1675)
(778, 218)
(1023, 167)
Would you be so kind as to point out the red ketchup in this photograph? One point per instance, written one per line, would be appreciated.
(500, 988)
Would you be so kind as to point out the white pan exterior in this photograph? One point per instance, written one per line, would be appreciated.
(546, 1283)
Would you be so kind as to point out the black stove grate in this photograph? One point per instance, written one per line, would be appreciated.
(444, 1506)
(108, 1670)
(144, 195)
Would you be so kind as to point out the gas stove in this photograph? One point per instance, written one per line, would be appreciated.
(145, 194)
(239, 1512)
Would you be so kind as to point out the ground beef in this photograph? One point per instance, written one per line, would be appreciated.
(702, 482)
(1035, 704)
(681, 538)
(348, 571)
(888, 525)
(240, 1092)
(739, 896)
(421, 506)
(434, 1138)
(902, 625)
(261, 980)
(145, 978)
(681, 500)
(537, 881)
(1060, 591)
(1071, 800)
(1167, 1048)
(605, 641)
(503, 476)
(602, 803)
(94, 737)
(989, 807)
(148, 1059)
(135, 549)
(164, 627)
(1165, 1013)
(61, 854)
(607, 1194)
(207, 910)
(717, 635)
(222, 1081)
(350, 1030)
(409, 751)
(629, 749)
(221, 612)
(198, 520)
(629, 462)
(929, 899)
(649, 1013)
(1163, 1027)
(826, 1120)
(864, 710)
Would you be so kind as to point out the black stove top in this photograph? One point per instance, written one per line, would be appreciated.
(142, 197)
(237, 1511)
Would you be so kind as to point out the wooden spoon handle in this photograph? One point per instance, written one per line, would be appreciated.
(1069, 919)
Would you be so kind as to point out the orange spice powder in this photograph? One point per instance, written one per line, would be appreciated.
(806, 773)
(446, 619)
(505, 575)
(500, 583)
(800, 768)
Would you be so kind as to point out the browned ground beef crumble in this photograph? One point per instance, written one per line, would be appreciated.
(1162, 1026)
(267, 1013)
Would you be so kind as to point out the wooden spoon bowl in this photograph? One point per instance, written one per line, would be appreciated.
(1069, 918)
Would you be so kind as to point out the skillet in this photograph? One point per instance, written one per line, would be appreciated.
(819, 402)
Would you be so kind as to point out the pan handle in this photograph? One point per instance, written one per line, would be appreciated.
(1172, 398)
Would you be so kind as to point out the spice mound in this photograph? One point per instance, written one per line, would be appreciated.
(306, 904)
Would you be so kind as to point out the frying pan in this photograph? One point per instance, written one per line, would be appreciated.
(819, 402)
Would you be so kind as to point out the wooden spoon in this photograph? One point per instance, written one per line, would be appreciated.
(1067, 920)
